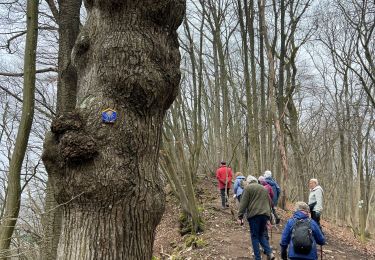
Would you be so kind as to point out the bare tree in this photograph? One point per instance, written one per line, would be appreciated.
(272, 100)
(359, 16)
(13, 201)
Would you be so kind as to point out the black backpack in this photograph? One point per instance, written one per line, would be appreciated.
(302, 236)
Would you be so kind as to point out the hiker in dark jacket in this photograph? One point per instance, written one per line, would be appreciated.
(276, 192)
(275, 187)
(301, 213)
(237, 189)
(256, 204)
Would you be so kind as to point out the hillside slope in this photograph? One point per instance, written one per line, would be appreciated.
(225, 239)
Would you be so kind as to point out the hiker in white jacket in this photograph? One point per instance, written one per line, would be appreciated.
(315, 200)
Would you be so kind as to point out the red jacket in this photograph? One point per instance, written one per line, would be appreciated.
(221, 176)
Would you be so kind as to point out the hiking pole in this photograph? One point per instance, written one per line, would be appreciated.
(321, 252)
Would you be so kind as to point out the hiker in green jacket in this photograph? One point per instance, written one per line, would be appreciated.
(257, 206)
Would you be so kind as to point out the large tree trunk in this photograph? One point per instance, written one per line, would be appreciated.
(13, 201)
(127, 59)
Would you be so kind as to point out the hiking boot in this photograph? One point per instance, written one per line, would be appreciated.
(271, 257)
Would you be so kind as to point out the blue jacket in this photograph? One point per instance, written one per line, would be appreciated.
(237, 188)
(275, 188)
(286, 237)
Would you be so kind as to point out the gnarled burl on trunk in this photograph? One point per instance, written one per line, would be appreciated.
(105, 175)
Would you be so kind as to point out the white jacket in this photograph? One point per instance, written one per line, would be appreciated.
(316, 195)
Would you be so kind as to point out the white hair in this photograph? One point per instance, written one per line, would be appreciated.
(251, 179)
(300, 205)
(315, 180)
(267, 174)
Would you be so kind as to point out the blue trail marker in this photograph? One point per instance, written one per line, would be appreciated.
(109, 116)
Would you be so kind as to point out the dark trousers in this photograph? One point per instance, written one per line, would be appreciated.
(316, 216)
(258, 227)
(224, 198)
(277, 219)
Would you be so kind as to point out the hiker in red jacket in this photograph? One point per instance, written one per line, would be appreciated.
(224, 176)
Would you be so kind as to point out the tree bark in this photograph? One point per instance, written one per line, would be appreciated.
(127, 59)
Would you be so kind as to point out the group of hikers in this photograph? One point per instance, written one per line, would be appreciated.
(258, 198)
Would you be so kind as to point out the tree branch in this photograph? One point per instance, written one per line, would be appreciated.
(54, 10)
(37, 108)
(10, 74)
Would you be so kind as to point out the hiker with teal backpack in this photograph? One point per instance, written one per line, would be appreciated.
(301, 234)
(239, 185)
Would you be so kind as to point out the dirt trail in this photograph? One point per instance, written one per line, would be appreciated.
(226, 239)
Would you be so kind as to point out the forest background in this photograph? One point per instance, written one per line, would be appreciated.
(282, 85)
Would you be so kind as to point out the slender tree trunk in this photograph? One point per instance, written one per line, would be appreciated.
(280, 87)
(249, 107)
(265, 160)
(295, 143)
(343, 126)
(225, 94)
(51, 221)
(368, 178)
(217, 104)
(348, 151)
(68, 21)
(255, 110)
(127, 59)
(182, 161)
(362, 192)
(272, 102)
(13, 201)
(195, 144)
(170, 169)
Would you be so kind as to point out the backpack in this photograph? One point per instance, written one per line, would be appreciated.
(302, 236)
(243, 184)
